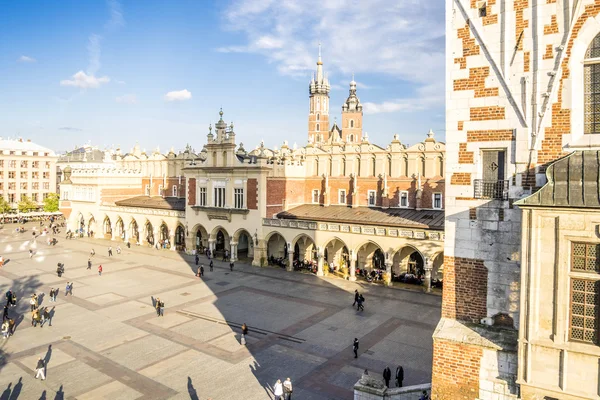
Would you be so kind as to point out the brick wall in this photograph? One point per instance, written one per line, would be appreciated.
(455, 371)
(490, 135)
(460, 178)
(252, 199)
(192, 192)
(110, 195)
(489, 113)
(167, 186)
(465, 289)
(476, 82)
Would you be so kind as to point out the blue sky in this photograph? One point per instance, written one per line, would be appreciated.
(156, 72)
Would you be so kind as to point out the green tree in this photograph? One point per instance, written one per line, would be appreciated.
(4, 206)
(26, 205)
(51, 202)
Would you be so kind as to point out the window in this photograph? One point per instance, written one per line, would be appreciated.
(437, 201)
(318, 117)
(1, 174)
(46, 185)
(44, 196)
(160, 190)
(23, 164)
(493, 185)
(34, 197)
(317, 127)
(11, 197)
(585, 292)
(12, 164)
(12, 186)
(35, 153)
(23, 185)
(35, 185)
(404, 199)
(174, 190)
(23, 196)
(238, 195)
(46, 175)
(202, 197)
(47, 164)
(1, 185)
(1, 163)
(23, 174)
(371, 197)
(219, 200)
(483, 10)
(591, 79)
(351, 138)
(315, 196)
(35, 164)
(351, 123)
(147, 190)
(342, 196)
(35, 175)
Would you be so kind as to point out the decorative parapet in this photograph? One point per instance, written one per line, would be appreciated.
(220, 212)
(145, 211)
(356, 229)
(364, 391)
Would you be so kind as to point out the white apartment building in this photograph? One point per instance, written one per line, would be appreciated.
(26, 170)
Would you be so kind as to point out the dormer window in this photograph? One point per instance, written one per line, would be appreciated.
(591, 79)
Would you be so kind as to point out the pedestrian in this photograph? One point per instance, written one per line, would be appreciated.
(110, 251)
(100, 270)
(55, 294)
(278, 390)
(157, 306)
(8, 296)
(92, 253)
(35, 317)
(46, 317)
(424, 395)
(32, 302)
(356, 295)
(211, 265)
(5, 329)
(387, 375)
(51, 294)
(69, 289)
(225, 255)
(89, 263)
(360, 306)
(40, 369)
(244, 333)
(118, 249)
(287, 389)
(14, 300)
(11, 327)
(5, 313)
(161, 305)
(128, 244)
(201, 270)
(30, 253)
(399, 375)
(231, 266)
(197, 258)
(355, 347)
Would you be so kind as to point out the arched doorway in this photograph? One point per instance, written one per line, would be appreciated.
(276, 246)
(221, 242)
(107, 228)
(91, 228)
(163, 236)
(134, 231)
(369, 257)
(201, 238)
(407, 262)
(304, 249)
(336, 254)
(245, 247)
(378, 261)
(180, 237)
(149, 234)
(120, 229)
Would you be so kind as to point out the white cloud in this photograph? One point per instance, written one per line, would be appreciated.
(403, 39)
(26, 59)
(126, 99)
(116, 14)
(85, 81)
(426, 97)
(94, 53)
(178, 95)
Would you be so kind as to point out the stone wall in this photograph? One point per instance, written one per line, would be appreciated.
(364, 392)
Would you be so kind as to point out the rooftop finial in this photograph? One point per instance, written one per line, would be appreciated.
(319, 62)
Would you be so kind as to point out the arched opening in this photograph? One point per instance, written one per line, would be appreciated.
(276, 247)
(591, 75)
(351, 138)
(201, 238)
(437, 272)
(221, 242)
(120, 229)
(244, 248)
(305, 253)
(91, 228)
(224, 158)
(163, 236)
(214, 158)
(318, 127)
(80, 225)
(134, 232)
(180, 238)
(149, 231)
(351, 123)
(174, 190)
(107, 228)
(370, 258)
(408, 265)
(318, 117)
(336, 255)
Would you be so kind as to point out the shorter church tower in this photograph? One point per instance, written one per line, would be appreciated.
(318, 116)
(352, 117)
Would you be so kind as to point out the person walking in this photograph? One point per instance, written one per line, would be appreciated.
(89, 263)
(244, 333)
(211, 265)
(11, 327)
(287, 389)
(278, 390)
(100, 270)
(92, 253)
(55, 294)
(69, 289)
(360, 306)
(8, 296)
(30, 253)
(51, 294)
(5, 329)
(118, 249)
(40, 369)
(387, 375)
(424, 396)
(399, 375)
(197, 259)
(157, 306)
(355, 347)
(32, 302)
(161, 310)
(35, 317)
(5, 313)
(231, 266)
(14, 300)
(46, 317)
(201, 270)
(356, 295)
(110, 251)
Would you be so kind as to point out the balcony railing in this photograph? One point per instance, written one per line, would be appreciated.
(491, 189)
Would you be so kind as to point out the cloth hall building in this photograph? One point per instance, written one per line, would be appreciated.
(340, 201)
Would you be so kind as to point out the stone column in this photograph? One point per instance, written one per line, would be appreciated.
(388, 271)
(113, 235)
(172, 241)
(428, 268)
(353, 262)
(320, 258)
(233, 251)
(211, 246)
(290, 266)
(156, 237)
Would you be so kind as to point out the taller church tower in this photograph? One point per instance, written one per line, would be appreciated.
(318, 115)
(352, 116)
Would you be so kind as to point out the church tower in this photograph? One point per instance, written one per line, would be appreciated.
(318, 116)
(352, 117)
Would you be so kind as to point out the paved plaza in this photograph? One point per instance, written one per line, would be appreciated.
(106, 341)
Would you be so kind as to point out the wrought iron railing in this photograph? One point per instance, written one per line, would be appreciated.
(491, 189)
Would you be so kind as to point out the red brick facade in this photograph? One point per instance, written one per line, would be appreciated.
(486, 113)
(252, 196)
(465, 289)
(476, 82)
(192, 192)
(167, 185)
(455, 372)
(460, 178)
(111, 195)
(490, 135)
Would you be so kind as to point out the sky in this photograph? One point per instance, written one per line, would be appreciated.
(117, 72)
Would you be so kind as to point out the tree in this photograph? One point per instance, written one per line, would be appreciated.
(51, 202)
(26, 205)
(4, 206)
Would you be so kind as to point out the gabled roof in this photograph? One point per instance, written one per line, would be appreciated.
(159, 202)
(572, 182)
(397, 217)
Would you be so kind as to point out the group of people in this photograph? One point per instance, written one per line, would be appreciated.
(200, 269)
(359, 301)
(39, 315)
(8, 324)
(283, 391)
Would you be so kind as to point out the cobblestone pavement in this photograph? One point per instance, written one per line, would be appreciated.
(106, 342)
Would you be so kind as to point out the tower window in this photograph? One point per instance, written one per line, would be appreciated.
(351, 123)
(318, 127)
(351, 138)
(318, 117)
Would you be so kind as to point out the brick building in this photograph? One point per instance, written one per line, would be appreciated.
(520, 81)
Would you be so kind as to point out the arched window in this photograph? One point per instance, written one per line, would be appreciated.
(351, 123)
(318, 117)
(224, 158)
(318, 127)
(351, 138)
(591, 76)
(214, 158)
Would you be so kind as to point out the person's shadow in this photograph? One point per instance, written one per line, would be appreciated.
(41, 298)
(191, 390)
(153, 301)
(43, 396)
(60, 395)
(17, 390)
(6, 394)
(48, 355)
(50, 317)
